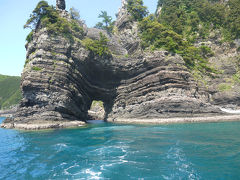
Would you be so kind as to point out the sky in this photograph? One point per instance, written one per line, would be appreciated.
(14, 14)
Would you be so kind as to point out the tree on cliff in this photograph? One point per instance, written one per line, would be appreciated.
(42, 10)
(136, 9)
(107, 23)
(48, 17)
(193, 17)
(233, 18)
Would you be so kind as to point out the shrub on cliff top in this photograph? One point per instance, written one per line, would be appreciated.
(47, 16)
(189, 17)
(98, 47)
(158, 36)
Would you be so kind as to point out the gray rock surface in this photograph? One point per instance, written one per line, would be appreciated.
(127, 30)
(223, 89)
(96, 111)
(9, 112)
(61, 4)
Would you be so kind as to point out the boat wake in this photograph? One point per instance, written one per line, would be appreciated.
(182, 168)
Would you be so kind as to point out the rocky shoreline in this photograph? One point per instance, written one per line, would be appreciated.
(8, 113)
(179, 120)
(43, 125)
(157, 121)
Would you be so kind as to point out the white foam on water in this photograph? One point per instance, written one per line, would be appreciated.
(116, 160)
(182, 167)
(104, 166)
(230, 111)
(79, 173)
(60, 147)
(69, 168)
(62, 164)
(93, 175)
(109, 149)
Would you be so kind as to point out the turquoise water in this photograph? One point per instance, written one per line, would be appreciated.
(109, 151)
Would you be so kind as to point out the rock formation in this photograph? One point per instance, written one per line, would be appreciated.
(131, 83)
(61, 4)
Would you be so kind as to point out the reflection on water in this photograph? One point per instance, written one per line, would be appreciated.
(110, 151)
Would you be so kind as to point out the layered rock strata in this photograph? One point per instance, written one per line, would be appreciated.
(62, 78)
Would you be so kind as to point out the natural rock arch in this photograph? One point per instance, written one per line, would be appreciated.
(62, 78)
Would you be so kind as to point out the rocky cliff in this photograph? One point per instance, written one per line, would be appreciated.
(62, 77)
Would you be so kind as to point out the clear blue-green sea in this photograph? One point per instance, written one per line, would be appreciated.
(109, 151)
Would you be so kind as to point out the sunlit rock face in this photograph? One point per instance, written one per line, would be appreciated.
(62, 78)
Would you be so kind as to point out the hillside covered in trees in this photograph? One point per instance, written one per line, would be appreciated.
(10, 93)
(179, 25)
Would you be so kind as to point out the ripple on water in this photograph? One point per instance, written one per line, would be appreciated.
(112, 128)
(92, 174)
(60, 147)
(110, 151)
(77, 172)
(180, 165)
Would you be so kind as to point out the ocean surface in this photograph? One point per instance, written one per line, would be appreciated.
(110, 151)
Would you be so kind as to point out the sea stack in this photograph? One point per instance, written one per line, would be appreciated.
(61, 4)
(62, 77)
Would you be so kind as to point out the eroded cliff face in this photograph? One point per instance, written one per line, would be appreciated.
(224, 89)
(62, 78)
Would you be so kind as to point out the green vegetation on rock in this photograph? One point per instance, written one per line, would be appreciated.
(107, 23)
(155, 35)
(35, 68)
(97, 47)
(10, 93)
(233, 18)
(224, 87)
(199, 17)
(29, 37)
(26, 62)
(136, 9)
(97, 103)
(47, 16)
